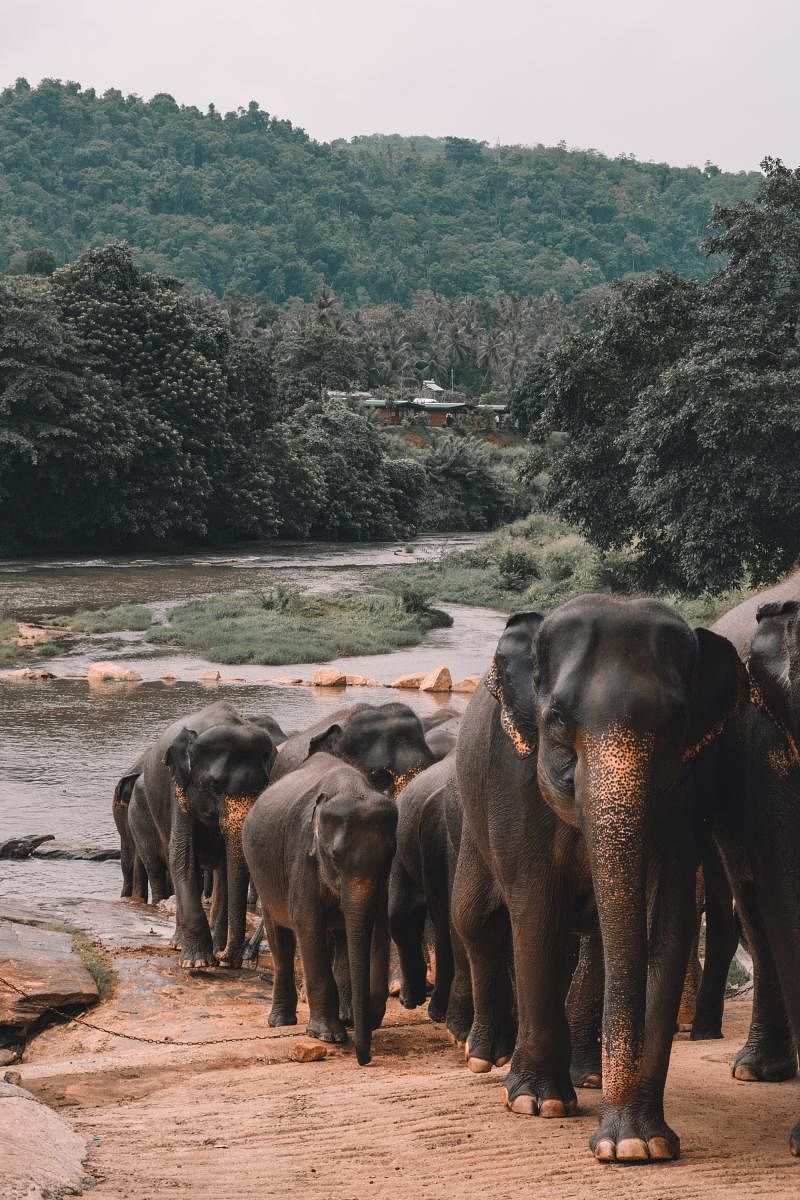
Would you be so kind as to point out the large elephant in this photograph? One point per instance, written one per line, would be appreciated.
(575, 765)
(194, 787)
(386, 742)
(758, 831)
(319, 844)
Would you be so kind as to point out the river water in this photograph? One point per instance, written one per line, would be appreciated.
(63, 745)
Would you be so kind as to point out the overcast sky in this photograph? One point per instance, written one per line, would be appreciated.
(675, 80)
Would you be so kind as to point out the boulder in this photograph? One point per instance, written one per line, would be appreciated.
(210, 677)
(329, 677)
(23, 847)
(357, 681)
(467, 685)
(109, 672)
(287, 682)
(7, 1057)
(30, 673)
(43, 966)
(53, 848)
(307, 1051)
(437, 680)
(42, 1153)
(169, 679)
(409, 681)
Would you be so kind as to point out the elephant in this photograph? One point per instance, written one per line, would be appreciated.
(757, 829)
(386, 742)
(420, 882)
(191, 792)
(576, 766)
(134, 874)
(319, 844)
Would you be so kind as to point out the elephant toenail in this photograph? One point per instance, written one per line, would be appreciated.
(523, 1105)
(605, 1151)
(501, 1062)
(632, 1150)
(552, 1108)
(479, 1065)
(660, 1149)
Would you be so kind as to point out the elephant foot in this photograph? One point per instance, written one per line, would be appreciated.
(411, 995)
(327, 1029)
(585, 1070)
(346, 1015)
(231, 957)
(282, 1014)
(532, 1093)
(488, 1045)
(459, 1017)
(794, 1141)
(196, 952)
(758, 1062)
(703, 1033)
(437, 1011)
(634, 1134)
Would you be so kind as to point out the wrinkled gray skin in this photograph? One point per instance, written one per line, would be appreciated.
(187, 804)
(420, 883)
(319, 844)
(576, 771)
(757, 828)
(386, 742)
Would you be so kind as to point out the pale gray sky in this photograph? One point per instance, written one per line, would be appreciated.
(674, 80)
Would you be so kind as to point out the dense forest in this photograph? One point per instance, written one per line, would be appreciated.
(133, 413)
(245, 202)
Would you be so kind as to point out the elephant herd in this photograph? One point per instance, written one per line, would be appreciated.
(610, 758)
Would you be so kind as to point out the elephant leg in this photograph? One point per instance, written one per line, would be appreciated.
(481, 922)
(440, 917)
(460, 1011)
(634, 1129)
(722, 938)
(283, 944)
(379, 967)
(193, 929)
(341, 973)
(251, 950)
(407, 927)
(585, 1013)
(219, 906)
(538, 1081)
(321, 990)
(139, 880)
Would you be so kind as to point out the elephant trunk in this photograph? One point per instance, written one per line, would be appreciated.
(613, 784)
(234, 810)
(359, 904)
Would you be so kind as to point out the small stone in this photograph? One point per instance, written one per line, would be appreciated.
(307, 1051)
(210, 677)
(437, 681)
(329, 677)
(409, 681)
(357, 681)
(13, 1077)
(467, 685)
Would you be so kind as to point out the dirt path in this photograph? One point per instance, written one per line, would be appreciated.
(240, 1121)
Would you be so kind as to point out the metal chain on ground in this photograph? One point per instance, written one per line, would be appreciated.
(133, 1037)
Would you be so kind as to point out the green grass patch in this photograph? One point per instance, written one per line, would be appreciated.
(288, 625)
(96, 962)
(12, 655)
(538, 563)
(105, 620)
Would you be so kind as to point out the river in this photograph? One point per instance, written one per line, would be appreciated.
(63, 745)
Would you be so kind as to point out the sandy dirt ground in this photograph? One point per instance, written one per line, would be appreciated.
(241, 1121)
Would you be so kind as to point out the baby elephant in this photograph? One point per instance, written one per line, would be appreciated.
(319, 844)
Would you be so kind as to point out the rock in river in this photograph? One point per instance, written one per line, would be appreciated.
(42, 1153)
(43, 966)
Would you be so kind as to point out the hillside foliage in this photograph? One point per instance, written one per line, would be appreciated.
(246, 202)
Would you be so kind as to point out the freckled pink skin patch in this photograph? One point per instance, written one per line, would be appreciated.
(617, 763)
(233, 812)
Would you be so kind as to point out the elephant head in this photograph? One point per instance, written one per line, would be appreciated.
(353, 840)
(217, 774)
(608, 699)
(775, 661)
(385, 742)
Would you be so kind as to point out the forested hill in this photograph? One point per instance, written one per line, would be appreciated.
(247, 202)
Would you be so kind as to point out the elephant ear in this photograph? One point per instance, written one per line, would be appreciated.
(773, 657)
(720, 691)
(510, 679)
(178, 757)
(328, 741)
